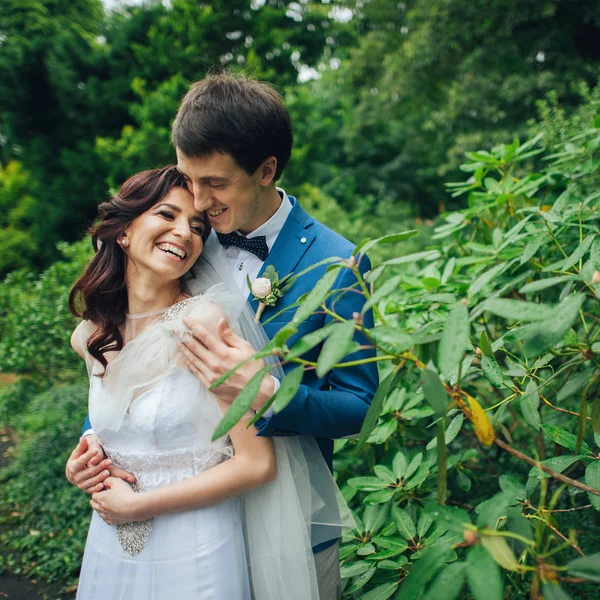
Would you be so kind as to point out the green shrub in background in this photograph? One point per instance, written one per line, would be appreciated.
(35, 323)
(46, 518)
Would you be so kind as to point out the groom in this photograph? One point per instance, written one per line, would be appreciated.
(233, 138)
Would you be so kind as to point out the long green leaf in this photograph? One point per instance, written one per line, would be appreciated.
(448, 584)
(485, 578)
(309, 341)
(288, 388)
(422, 571)
(455, 339)
(316, 296)
(391, 238)
(375, 409)
(435, 392)
(417, 256)
(587, 567)
(241, 404)
(592, 478)
(519, 310)
(338, 345)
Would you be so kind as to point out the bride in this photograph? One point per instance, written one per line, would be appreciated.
(206, 520)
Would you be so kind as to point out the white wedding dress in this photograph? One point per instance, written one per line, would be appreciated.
(156, 420)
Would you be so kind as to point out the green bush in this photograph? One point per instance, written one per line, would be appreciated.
(47, 518)
(35, 323)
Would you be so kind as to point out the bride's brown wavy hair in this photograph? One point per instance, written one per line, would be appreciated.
(100, 294)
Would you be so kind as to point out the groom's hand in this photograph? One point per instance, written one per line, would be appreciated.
(88, 467)
(209, 356)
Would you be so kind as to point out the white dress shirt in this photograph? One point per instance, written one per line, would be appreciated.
(243, 263)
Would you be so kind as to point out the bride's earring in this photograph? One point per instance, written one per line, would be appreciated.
(124, 242)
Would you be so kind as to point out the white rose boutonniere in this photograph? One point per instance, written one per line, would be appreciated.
(266, 290)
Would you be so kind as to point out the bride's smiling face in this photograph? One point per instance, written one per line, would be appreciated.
(167, 239)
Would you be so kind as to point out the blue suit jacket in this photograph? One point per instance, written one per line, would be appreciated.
(333, 406)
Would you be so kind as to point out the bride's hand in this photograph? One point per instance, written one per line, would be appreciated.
(117, 503)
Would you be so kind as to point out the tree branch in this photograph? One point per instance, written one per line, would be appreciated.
(554, 474)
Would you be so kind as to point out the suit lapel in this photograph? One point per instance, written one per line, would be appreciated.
(291, 244)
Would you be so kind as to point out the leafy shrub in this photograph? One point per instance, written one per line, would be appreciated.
(48, 518)
(482, 440)
(35, 322)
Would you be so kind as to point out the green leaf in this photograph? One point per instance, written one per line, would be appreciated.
(533, 246)
(587, 567)
(556, 463)
(551, 591)
(435, 392)
(288, 388)
(451, 433)
(375, 517)
(338, 345)
(309, 341)
(316, 296)
(452, 518)
(484, 576)
(367, 484)
(384, 474)
(592, 478)
(484, 344)
(381, 592)
(501, 552)
(271, 274)
(241, 404)
(414, 464)
(532, 392)
(492, 371)
(530, 412)
(399, 464)
(542, 284)
(597, 122)
(390, 339)
(422, 571)
(512, 487)
(519, 310)
(577, 255)
(361, 581)
(486, 277)
(382, 291)
(391, 238)
(404, 523)
(455, 339)
(563, 438)
(375, 409)
(548, 333)
(354, 569)
(380, 497)
(448, 584)
(284, 334)
(417, 256)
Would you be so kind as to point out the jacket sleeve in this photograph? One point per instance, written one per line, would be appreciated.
(87, 425)
(335, 407)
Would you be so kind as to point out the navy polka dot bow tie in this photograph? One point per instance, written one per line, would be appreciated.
(256, 245)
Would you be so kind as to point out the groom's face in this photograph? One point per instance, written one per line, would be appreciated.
(230, 197)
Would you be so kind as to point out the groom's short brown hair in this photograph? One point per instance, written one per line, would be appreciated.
(235, 115)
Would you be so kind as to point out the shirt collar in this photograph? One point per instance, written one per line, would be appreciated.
(274, 225)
